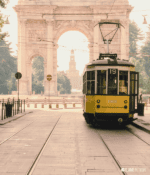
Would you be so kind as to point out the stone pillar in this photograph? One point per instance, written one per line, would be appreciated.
(90, 46)
(50, 56)
(22, 68)
(123, 42)
(29, 76)
(127, 40)
(55, 66)
(96, 41)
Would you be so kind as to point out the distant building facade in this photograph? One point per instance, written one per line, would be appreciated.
(73, 74)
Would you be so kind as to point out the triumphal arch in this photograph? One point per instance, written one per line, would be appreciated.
(42, 22)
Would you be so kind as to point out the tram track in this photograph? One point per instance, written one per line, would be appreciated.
(15, 133)
(133, 132)
(130, 129)
(30, 171)
(111, 154)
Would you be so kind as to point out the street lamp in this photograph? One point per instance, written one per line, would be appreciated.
(144, 22)
(7, 21)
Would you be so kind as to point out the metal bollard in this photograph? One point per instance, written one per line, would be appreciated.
(21, 106)
(24, 105)
(35, 105)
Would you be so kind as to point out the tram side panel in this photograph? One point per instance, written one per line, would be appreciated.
(90, 104)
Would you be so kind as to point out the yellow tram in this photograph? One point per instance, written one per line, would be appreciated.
(110, 87)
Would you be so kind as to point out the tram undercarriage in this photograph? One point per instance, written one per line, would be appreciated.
(99, 118)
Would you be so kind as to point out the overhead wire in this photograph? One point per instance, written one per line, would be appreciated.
(112, 6)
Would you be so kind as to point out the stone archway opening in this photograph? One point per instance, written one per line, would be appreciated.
(38, 33)
(37, 75)
(72, 40)
(72, 55)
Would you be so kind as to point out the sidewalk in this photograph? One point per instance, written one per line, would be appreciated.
(143, 121)
(15, 117)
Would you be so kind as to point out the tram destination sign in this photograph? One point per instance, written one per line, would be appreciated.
(108, 55)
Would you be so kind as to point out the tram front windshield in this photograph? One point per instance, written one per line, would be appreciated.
(112, 82)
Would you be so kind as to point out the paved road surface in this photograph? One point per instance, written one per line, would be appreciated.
(48, 142)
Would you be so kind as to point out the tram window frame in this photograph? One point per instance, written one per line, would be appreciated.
(90, 82)
(84, 83)
(112, 74)
(126, 81)
(134, 79)
(100, 77)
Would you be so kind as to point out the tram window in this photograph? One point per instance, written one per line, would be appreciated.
(132, 76)
(88, 88)
(91, 87)
(84, 88)
(91, 75)
(112, 82)
(132, 87)
(101, 82)
(90, 82)
(84, 77)
(123, 82)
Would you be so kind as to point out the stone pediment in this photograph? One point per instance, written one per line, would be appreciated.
(73, 2)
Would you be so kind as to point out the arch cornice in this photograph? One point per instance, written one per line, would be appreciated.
(83, 27)
(33, 55)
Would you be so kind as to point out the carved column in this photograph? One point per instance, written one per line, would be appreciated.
(127, 40)
(90, 46)
(29, 76)
(50, 57)
(55, 66)
(96, 41)
(23, 82)
(123, 41)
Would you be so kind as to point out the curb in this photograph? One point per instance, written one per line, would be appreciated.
(9, 119)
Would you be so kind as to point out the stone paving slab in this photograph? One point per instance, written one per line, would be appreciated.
(130, 153)
(74, 148)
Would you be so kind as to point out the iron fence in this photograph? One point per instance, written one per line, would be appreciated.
(10, 108)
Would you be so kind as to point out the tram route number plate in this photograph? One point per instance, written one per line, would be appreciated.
(113, 71)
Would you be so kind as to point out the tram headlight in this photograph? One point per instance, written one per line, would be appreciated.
(98, 106)
(98, 101)
(125, 107)
(125, 101)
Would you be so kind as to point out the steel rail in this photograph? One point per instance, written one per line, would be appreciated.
(15, 133)
(132, 132)
(41, 151)
(110, 152)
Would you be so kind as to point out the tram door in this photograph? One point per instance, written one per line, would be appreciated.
(134, 89)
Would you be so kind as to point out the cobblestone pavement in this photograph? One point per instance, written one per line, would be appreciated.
(73, 148)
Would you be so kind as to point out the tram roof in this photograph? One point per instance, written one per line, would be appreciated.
(110, 62)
